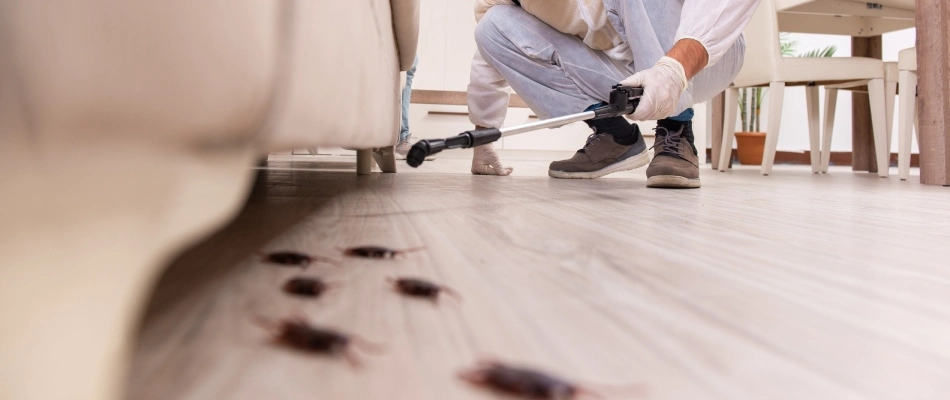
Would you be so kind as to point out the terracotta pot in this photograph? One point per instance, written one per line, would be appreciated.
(751, 146)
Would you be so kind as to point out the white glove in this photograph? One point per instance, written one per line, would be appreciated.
(485, 161)
(662, 86)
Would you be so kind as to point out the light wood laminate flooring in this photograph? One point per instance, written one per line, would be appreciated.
(791, 286)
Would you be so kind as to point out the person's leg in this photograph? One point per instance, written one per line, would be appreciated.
(649, 29)
(556, 74)
(675, 163)
(406, 96)
(675, 122)
(402, 148)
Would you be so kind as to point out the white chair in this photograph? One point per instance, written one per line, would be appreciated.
(831, 99)
(907, 72)
(765, 66)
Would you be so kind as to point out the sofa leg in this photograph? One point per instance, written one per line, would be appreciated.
(364, 161)
(386, 159)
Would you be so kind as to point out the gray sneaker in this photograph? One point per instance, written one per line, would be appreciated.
(403, 147)
(674, 165)
(601, 156)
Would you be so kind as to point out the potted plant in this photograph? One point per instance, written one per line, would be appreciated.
(751, 140)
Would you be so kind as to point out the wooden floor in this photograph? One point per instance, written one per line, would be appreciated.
(792, 286)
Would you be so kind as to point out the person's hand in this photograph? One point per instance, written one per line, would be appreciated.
(662, 86)
(485, 161)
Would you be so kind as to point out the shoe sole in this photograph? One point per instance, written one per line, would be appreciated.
(672, 182)
(634, 162)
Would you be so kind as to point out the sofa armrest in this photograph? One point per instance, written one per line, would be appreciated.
(406, 29)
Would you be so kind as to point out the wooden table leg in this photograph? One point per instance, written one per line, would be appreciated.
(862, 135)
(933, 102)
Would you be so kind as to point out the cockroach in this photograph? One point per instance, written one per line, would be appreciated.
(376, 251)
(296, 332)
(295, 259)
(305, 286)
(530, 384)
(421, 288)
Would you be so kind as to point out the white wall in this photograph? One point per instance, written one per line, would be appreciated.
(446, 44)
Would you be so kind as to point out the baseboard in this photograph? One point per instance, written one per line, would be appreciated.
(804, 158)
(454, 98)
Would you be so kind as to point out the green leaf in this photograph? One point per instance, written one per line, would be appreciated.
(825, 52)
(786, 45)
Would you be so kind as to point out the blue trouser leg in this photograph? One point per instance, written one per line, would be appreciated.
(406, 96)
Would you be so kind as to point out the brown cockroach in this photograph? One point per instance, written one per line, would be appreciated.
(295, 259)
(296, 332)
(376, 251)
(307, 286)
(530, 384)
(421, 288)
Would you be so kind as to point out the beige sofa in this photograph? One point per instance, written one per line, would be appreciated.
(127, 131)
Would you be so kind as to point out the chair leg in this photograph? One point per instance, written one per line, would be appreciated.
(814, 134)
(878, 122)
(905, 120)
(776, 98)
(701, 131)
(890, 93)
(831, 103)
(364, 161)
(728, 127)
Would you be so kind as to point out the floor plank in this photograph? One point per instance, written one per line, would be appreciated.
(792, 286)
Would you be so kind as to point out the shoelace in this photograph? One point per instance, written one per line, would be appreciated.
(670, 142)
(590, 139)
